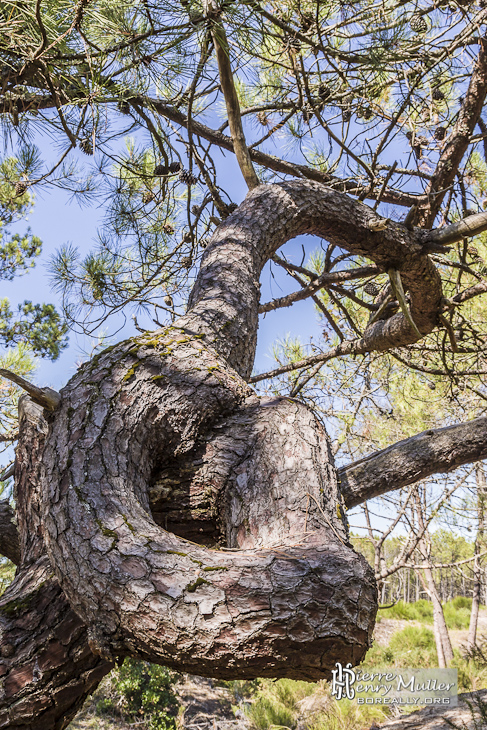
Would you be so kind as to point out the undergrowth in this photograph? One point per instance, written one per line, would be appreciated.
(456, 611)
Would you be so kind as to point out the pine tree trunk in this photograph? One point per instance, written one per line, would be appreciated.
(477, 570)
(46, 667)
(270, 584)
(440, 629)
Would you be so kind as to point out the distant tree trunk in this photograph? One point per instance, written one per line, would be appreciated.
(440, 629)
(477, 570)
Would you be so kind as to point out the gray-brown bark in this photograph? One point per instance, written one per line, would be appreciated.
(224, 302)
(154, 400)
(291, 605)
(442, 637)
(167, 422)
(457, 142)
(46, 666)
(406, 462)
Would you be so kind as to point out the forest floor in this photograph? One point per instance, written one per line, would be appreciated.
(204, 705)
(386, 627)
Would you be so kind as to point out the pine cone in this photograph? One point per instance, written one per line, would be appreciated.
(186, 262)
(174, 166)
(473, 251)
(263, 118)
(307, 21)
(324, 92)
(168, 300)
(86, 146)
(148, 197)
(168, 229)
(161, 170)
(371, 288)
(347, 114)
(20, 188)
(294, 44)
(418, 151)
(440, 133)
(203, 243)
(418, 24)
(187, 177)
(437, 95)
(307, 113)
(123, 107)
(231, 207)
(367, 112)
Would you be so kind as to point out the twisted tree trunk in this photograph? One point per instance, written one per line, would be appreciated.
(160, 440)
(291, 596)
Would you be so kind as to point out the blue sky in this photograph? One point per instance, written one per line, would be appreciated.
(58, 220)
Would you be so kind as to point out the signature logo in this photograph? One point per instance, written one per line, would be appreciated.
(343, 679)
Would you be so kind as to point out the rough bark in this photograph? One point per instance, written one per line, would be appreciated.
(46, 666)
(273, 605)
(9, 536)
(406, 462)
(273, 586)
(293, 601)
(224, 302)
(286, 599)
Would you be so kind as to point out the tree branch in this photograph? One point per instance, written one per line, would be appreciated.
(46, 397)
(466, 228)
(395, 197)
(457, 143)
(9, 536)
(232, 104)
(408, 461)
(320, 282)
(226, 294)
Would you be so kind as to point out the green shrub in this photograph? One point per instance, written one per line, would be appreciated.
(457, 612)
(411, 647)
(276, 703)
(462, 602)
(348, 715)
(142, 691)
(421, 610)
(267, 711)
(457, 616)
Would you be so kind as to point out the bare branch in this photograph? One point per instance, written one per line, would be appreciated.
(232, 104)
(320, 282)
(408, 461)
(45, 397)
(466, 228)
(457, 143)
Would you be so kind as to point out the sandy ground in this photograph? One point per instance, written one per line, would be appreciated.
(388, 626)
